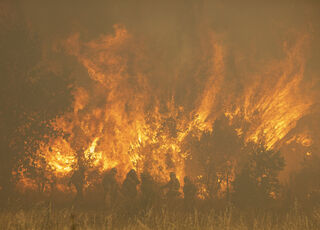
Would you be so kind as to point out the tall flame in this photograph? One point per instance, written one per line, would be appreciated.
(119, 120)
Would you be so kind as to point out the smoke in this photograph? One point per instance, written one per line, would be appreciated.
(142, 64)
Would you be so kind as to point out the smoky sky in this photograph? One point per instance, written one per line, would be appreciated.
(173, 29)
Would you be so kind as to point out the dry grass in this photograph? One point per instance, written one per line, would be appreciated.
(230, 219)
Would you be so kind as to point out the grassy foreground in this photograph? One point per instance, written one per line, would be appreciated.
(229, 219)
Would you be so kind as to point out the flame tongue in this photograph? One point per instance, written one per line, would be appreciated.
(119, 120)
(273, 103)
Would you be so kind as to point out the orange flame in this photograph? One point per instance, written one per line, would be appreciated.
(116, 122)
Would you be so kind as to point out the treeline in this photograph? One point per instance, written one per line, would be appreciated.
(253, 185)
(33, 93)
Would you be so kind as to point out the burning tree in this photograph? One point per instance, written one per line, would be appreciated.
(31, 96)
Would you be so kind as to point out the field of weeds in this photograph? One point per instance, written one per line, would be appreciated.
(230, 219)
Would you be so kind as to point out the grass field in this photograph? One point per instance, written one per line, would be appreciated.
(42, 217)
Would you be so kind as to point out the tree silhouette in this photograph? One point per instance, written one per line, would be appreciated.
(257, 180)
(304, 185)
(214, 153)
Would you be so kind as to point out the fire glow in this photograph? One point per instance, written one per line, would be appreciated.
(119, 120)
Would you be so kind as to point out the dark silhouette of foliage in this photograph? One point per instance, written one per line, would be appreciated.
(215, 153)
(257, 182)
(304, 185)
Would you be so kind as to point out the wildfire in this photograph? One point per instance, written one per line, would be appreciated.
(118, 120)
(273, 104)
(59, 155)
